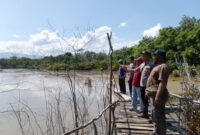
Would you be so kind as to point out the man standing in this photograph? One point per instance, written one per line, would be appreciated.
(159, 78)
(122, 76)
(145, 70)
(136, 92)
(130, 74)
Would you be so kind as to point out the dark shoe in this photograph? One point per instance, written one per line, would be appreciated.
(146, 116)
(132, 109)
(139, 112)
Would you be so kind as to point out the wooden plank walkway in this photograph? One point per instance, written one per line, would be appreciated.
(129, 123)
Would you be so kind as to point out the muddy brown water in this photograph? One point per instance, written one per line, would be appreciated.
(35, 89)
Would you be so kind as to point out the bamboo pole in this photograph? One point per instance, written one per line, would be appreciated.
(109, 36)
(93, 120)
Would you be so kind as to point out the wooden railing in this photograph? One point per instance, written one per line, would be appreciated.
(183, 98)
(177, 107)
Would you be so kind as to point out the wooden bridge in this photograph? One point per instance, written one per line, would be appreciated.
(128, 122)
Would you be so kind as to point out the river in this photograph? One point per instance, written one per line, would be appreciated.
(30, 101)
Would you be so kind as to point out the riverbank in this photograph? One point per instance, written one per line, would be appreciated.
(174, 83)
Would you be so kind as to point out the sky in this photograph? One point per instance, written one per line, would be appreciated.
(52, 27)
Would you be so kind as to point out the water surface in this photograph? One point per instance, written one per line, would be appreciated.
(23, 91)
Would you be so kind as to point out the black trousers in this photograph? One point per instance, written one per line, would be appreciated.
(122, 85)
(158, 118)
(144, 100)
(130, 86)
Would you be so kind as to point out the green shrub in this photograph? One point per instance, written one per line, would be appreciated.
(58, 67)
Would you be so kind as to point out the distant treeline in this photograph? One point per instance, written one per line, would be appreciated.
(81, 61)
(182, 41)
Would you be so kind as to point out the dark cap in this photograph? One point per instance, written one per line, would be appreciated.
(120, 61)
(131, 57)
(146, 53)
(161, 53)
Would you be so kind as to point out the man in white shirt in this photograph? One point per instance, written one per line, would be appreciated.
(145, 69)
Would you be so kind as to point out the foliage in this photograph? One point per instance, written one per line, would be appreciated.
(81, 61)
(190, 100)
(192, 113)
(182, 41)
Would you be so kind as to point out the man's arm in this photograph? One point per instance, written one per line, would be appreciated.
(161, 88)
(163, 77)
(133, 70)
(128, 69)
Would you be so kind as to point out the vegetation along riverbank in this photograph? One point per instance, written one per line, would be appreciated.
(180, 41)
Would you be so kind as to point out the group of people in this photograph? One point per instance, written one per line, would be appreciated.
(147, 75)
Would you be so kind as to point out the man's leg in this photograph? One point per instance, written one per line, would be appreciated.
(120, 85)
(138, 89)
(145, 102)
(130, 86)
(123, 86)
(159, 120)
(134, 98)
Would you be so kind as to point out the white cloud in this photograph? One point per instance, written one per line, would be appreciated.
(122, 24)
(44, 37)
(47, 43)
(152, 32)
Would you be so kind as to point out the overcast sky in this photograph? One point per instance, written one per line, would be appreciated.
(34, 27)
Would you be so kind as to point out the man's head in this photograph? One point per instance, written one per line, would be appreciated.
(159, 56)
(131, 58)
(139, 60)
(120, 61)
(146, 56)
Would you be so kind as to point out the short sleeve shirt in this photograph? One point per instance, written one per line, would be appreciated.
(121, 73)
(131, 74)
(136, 78)
(159, 73)
(145, 70)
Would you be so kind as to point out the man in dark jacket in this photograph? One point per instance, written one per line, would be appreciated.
(130, 74)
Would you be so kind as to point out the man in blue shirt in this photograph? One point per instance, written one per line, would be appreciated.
(122, 76)
(130, 74)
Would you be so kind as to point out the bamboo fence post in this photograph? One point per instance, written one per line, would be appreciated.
(109, 36)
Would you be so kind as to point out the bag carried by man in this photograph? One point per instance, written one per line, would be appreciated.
(151, 91)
